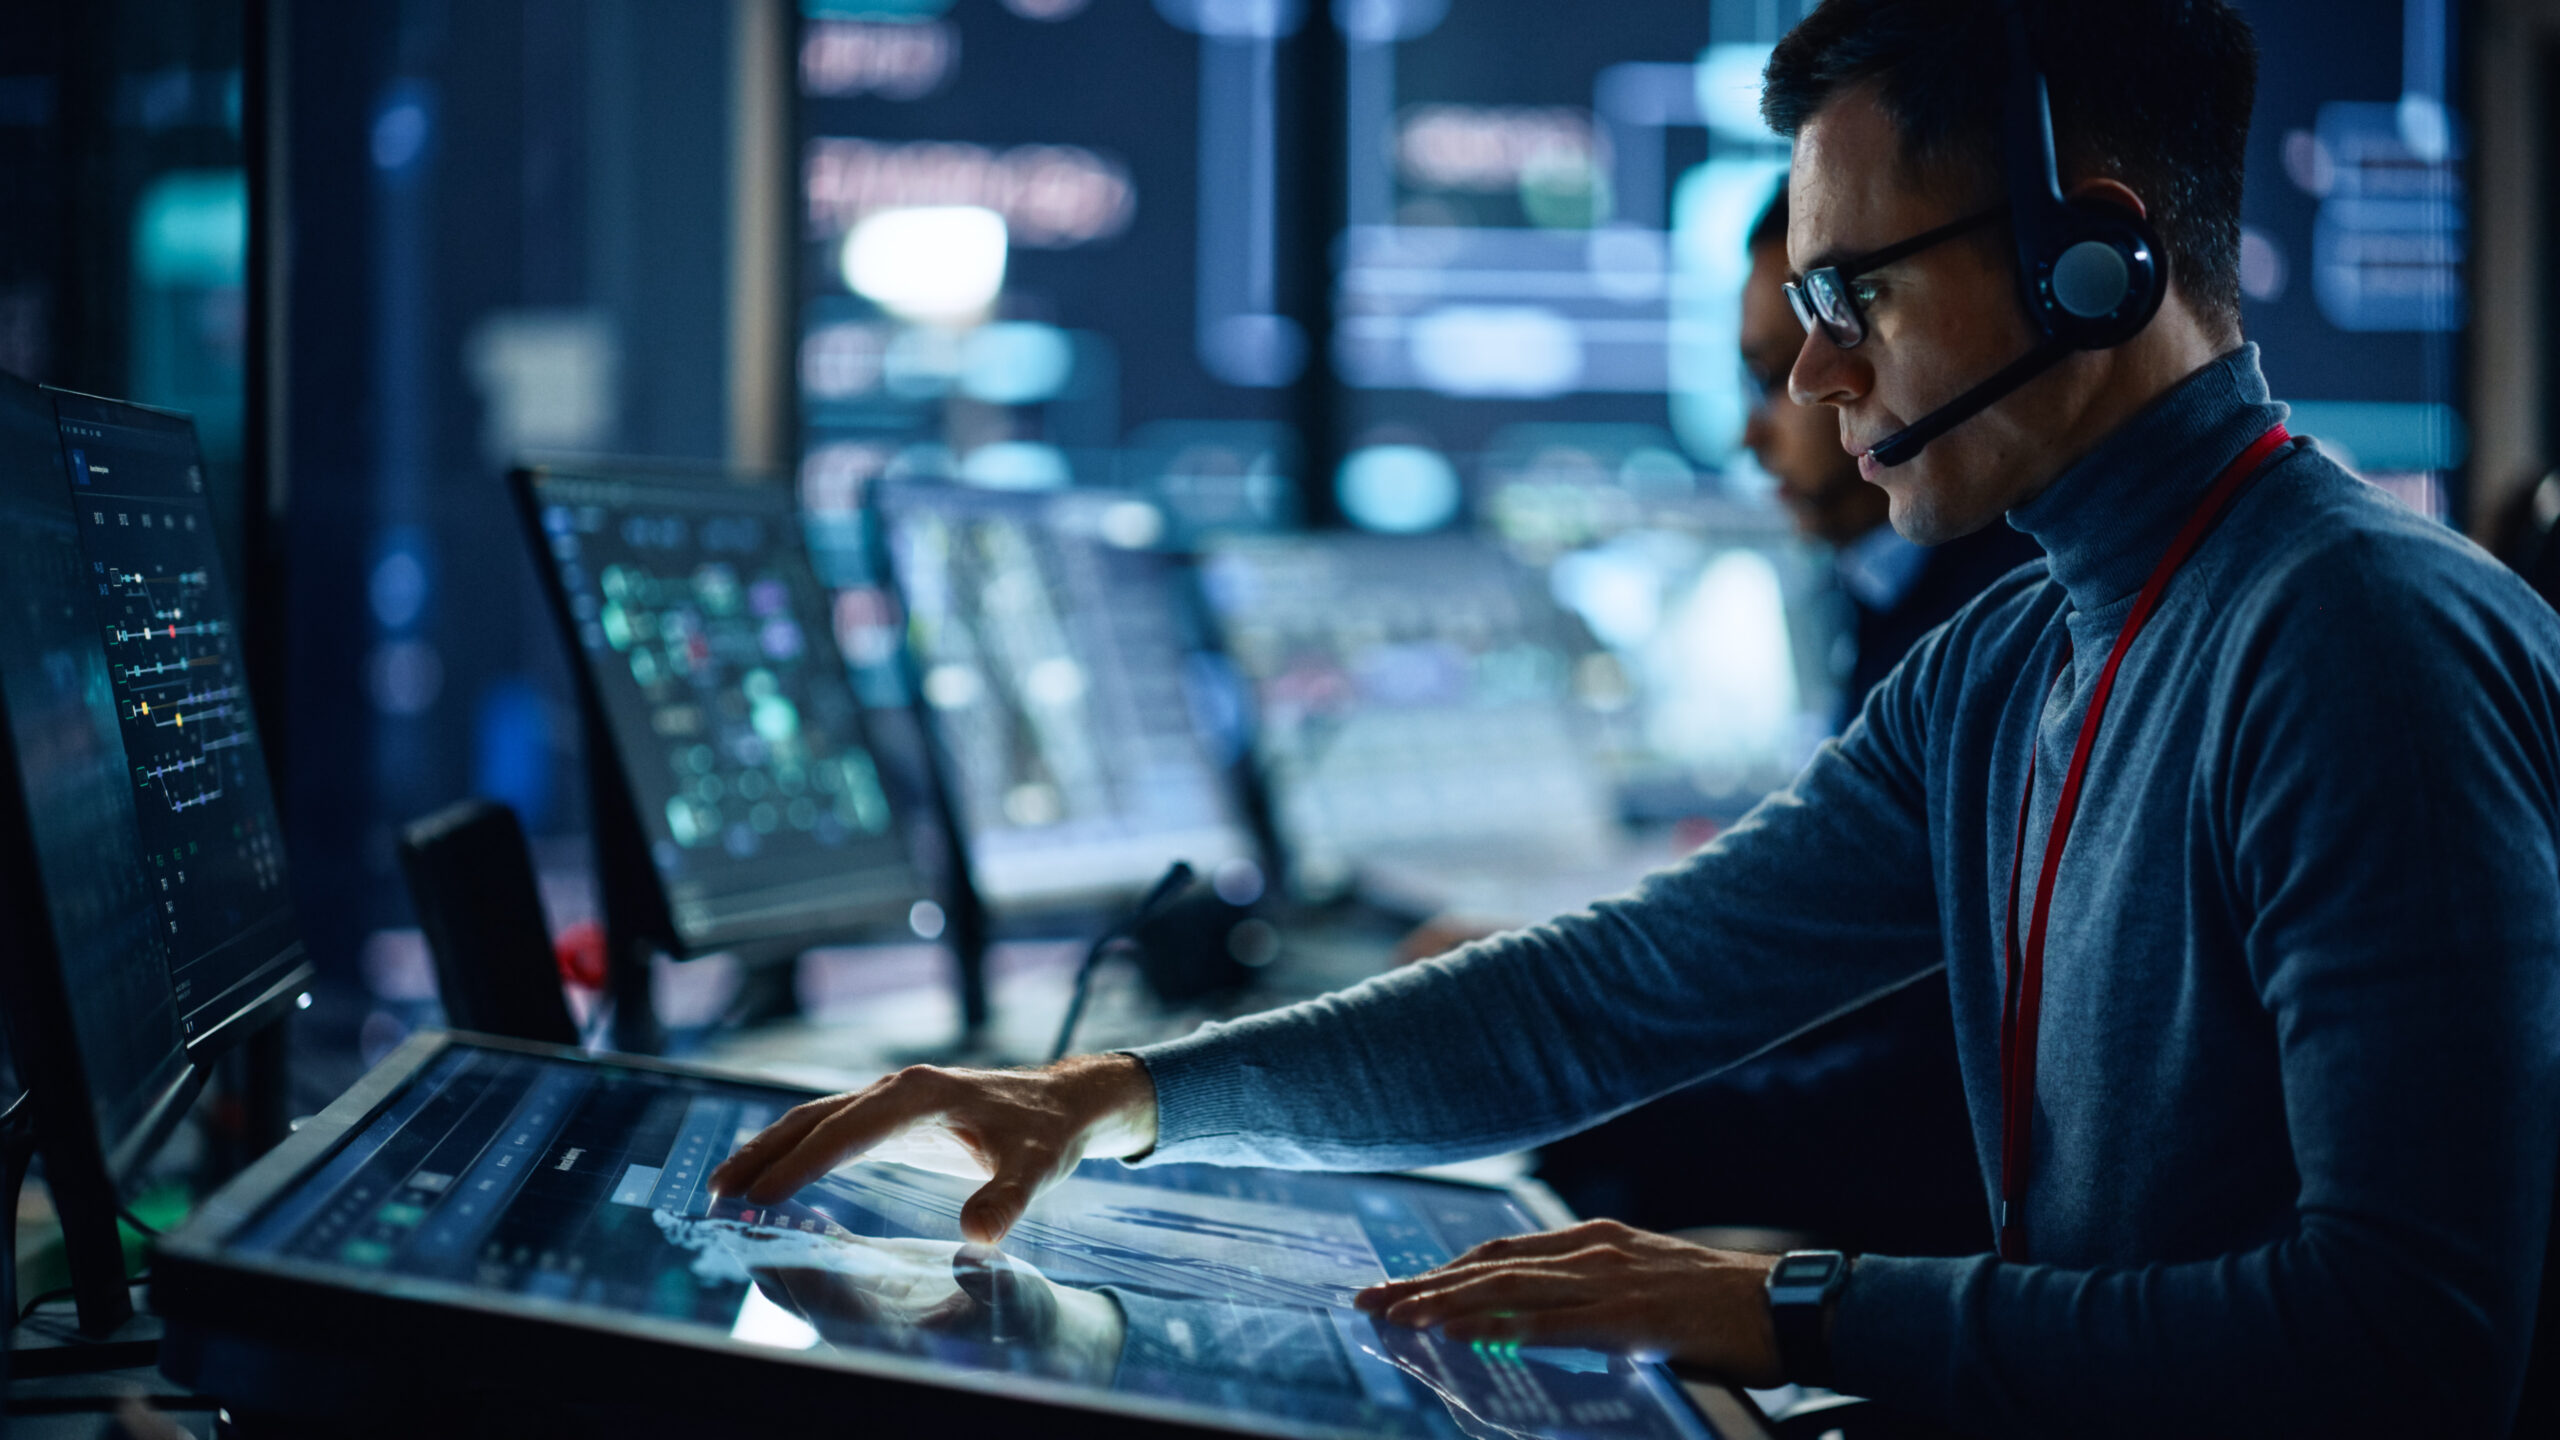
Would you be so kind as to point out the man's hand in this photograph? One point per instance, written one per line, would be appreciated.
(1025, 1129)
(1605, 1286)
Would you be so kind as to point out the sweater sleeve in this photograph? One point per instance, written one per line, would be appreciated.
(1819, 900)
(2383, 789)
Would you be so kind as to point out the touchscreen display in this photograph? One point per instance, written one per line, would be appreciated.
(583, 1184)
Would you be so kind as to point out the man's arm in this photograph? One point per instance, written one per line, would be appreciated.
(1818, 901)
(2388, 796)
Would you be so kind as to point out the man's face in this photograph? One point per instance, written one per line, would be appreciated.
(1799, 445)
(1937, 323)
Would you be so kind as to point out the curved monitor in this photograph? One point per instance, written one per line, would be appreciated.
(706, 661)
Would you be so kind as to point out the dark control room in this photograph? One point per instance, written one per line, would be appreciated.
(1675, 720)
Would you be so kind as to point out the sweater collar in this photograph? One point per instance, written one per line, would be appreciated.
(2105, 522)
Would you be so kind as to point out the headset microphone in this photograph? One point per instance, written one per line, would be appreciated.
(2090, 273)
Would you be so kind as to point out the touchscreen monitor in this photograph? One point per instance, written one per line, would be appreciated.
(705, 655)
(577, 1186)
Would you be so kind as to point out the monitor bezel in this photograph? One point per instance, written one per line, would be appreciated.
(889, 502)
(643, 889)
(207, 1291)
(290, 966)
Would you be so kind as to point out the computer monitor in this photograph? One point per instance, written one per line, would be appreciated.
(1051, 648)
(1717, 635)
(706, 665)
(1410, 693)
(165, 617)
(533, 1225)
(141, 869)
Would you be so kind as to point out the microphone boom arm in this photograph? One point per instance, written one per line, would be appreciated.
(1906, 443)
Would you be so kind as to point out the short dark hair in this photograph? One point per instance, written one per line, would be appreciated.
(1771, 227)
(2154, 93)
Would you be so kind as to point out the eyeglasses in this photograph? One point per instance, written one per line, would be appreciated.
(1825, 297)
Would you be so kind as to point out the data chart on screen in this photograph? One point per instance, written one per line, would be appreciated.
(212, 848)
(1051, 643)
(1409, 693)
(705, 639)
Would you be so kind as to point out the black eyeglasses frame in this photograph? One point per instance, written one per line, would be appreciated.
(1819, 292)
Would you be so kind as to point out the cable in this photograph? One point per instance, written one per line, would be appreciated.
(137, 1222)
(42, 1301)
(139, 1277)
(1175, 881)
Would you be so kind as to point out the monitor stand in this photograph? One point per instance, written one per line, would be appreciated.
(50, 1342)
(96, 1329)
(627, 894)
(636, 924)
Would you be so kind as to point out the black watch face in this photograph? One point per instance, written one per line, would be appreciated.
(1805, 1269)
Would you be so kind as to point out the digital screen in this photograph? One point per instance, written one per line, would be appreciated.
(582, 1184)
(1408, 692)
(1718, 635)
(704, 636)
(212, 850)
(67, 748)
(1052, 657)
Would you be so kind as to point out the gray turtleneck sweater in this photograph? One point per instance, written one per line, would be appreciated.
(2297, 1108)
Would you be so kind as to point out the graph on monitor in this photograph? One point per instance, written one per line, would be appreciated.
(213, 851)
(1052, 658)
(702, 636)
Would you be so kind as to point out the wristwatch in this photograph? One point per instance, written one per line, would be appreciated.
(1801, 1288)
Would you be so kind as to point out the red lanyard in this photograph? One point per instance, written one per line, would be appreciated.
(2022, 999)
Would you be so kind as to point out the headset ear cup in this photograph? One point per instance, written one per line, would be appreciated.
(2106, 279)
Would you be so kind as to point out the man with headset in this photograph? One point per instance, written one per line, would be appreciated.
(1872, 1096)
(2231, 833)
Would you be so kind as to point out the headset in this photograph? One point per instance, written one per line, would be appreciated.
(2090, 273)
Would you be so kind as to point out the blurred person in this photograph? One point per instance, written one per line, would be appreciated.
(2268, 1146)
(1898, 591)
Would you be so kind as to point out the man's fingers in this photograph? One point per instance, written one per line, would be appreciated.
(998, 1203)
(733, 1175)
(1022, 1171)
(1545, 1243)
(1456, 1272)
(1508, 1290)
(1476, 1263)
(856, 1126)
